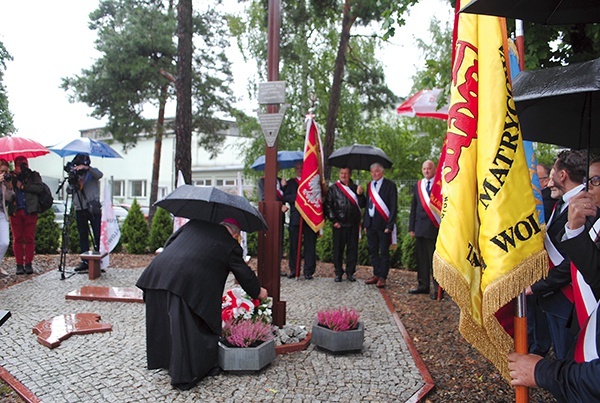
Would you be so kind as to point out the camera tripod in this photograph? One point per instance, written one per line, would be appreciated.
(64, 245)
(67, 219)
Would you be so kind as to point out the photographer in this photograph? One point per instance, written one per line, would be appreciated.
(7, 194)
(85, 185)
(23, 211)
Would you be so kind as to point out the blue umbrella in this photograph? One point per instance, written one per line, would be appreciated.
(85, 145)
(286, 159)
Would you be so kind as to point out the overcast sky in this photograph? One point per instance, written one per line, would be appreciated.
(50, 40)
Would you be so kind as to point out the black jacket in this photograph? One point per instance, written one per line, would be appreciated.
(338, 208)
(194, 265)
(389, 194)
(419, 221)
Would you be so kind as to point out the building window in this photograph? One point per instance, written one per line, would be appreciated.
(163, 191)
(118, 189)
(203, 182)
(138, 188)
(230, 182)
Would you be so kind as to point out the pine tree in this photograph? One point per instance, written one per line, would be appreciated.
(135, 230)
(160, 230)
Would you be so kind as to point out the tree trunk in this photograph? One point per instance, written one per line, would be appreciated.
(183, 84)
(336, 87)
(160, 130)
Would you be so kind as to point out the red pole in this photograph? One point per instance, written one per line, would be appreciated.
(521, 347)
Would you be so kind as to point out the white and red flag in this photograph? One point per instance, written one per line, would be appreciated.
(110, 233)
(309, 200)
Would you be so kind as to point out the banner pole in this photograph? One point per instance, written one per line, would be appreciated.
(521, 347)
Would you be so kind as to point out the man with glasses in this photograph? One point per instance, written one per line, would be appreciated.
(23, 211)
(554, 293)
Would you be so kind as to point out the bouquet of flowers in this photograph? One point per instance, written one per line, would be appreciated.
(246, 321)
(338, 319)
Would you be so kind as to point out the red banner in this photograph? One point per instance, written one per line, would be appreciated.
(309, 200)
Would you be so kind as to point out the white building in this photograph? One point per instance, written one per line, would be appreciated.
(131, 176)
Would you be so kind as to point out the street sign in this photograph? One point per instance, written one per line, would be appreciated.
(270, 124)
(271, 92)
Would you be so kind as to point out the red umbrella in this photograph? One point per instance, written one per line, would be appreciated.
(11, 147)
(424, 104)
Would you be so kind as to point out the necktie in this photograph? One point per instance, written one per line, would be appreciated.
(371, 206)
(428, 188)
(559, 206)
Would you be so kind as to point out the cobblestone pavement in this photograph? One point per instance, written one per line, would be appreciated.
(111, 366)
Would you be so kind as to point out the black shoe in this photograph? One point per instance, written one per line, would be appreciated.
(283, 274)
(338, 279)
(308, 276)
(291, 275)
(20, 269)
(351, 277)
(81, 267)
(28, 268)
(419, 291)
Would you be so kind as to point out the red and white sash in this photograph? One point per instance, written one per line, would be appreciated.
(349, 193)
(381, 207)
(584, 299)
(279, 191)
(426, 203)
(586, 347)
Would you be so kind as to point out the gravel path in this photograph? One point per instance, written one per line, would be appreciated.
(460, 373)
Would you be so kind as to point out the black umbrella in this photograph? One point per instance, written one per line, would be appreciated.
(549, 12)
(560, 105)
(359, 156)
(210, 204)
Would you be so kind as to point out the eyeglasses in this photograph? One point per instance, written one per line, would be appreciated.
(594, 181)
(543, 178)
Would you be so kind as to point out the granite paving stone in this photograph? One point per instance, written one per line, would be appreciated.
(111, 367)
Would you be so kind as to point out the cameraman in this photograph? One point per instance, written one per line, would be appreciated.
(85, 185)
(23, 211)
(7, 194)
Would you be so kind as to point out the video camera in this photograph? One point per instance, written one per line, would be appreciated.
(73, 175)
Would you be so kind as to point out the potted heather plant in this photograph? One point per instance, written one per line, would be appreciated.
(338, 330)
(247, 341)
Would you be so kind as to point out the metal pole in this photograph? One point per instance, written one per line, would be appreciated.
(269, 254)
(521, 347)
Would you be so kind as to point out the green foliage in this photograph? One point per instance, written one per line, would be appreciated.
(47, 234)
(364, 259)
(134, 233)
(325, 244)
(546, 153)
(409, 253)
(160, 230)
(6, 118)
(73, 233)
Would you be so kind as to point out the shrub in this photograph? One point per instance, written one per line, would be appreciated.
(247, 333)
(325, 244)
(338, 319)
(135, 230)
(409, 253)
(160, 230)
(73, 232)
(47, 234)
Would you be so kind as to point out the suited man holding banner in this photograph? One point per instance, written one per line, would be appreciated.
(380, 222)
(423, 226)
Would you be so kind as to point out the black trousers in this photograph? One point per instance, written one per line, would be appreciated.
(425, 248)
(345, 238)
(310, 248)
(379, 250)
(83, 217)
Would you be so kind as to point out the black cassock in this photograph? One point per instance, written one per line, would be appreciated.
(183, 289)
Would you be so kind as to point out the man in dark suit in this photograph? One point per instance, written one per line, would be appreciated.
(574, 378)
(183, 290)
(423, 226)
(379, 222)
(343, 207)
(309, 236)
(554, 293)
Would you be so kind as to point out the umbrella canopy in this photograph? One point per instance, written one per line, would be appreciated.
(286, 159)
(210, 204)
(560, 105)
(539, 11)
(359, 156)
(12, 147)
(424, 104)
(85, 145)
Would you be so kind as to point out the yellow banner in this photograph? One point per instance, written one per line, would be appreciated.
(490, 245)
